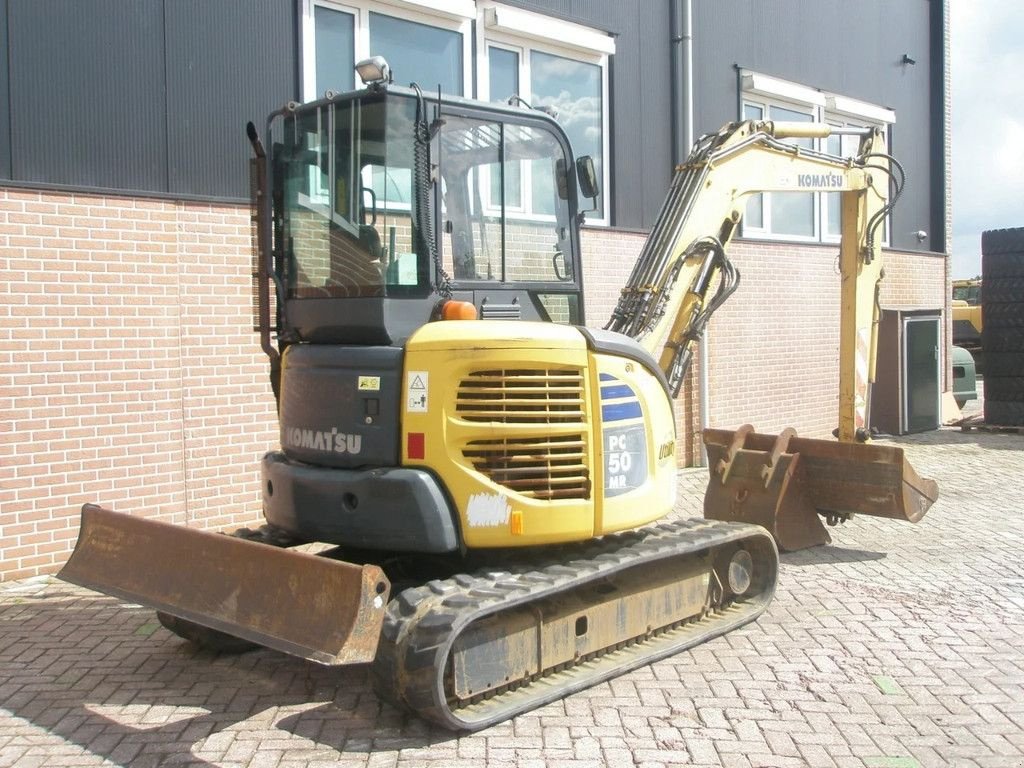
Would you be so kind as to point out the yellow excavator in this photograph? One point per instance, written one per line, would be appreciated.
(480, 473)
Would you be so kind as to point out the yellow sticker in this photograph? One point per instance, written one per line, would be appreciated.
(369, 383)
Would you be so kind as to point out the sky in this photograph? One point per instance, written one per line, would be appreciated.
(987, 81)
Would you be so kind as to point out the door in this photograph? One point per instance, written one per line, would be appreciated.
(921, 374)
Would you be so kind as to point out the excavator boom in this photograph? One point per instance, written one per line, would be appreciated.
(683, 275)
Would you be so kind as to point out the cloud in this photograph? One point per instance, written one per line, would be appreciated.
(988, 124)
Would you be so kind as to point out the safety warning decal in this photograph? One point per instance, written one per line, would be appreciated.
(416, 392)
(369, 383)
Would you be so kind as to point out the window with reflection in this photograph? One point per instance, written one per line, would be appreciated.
(481, 241)
(347, 219)
(572, 90)
(812, 216)
(428, 55)
(335, 49)
(785, 214)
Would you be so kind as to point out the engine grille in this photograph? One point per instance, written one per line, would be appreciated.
(537, 467)
(522, 396)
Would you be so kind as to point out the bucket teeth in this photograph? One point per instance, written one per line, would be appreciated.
(788, 483)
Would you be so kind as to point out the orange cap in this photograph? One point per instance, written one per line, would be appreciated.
(458, 310)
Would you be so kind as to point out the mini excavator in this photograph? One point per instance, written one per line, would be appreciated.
(483, 474)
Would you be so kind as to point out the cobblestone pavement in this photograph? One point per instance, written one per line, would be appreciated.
(897, 646)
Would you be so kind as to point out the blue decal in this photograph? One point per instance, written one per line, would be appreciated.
(617, 390)
(607, 377)
(621, 411)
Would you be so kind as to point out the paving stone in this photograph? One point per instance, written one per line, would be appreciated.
(933, 611)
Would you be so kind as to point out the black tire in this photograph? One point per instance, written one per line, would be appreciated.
(1002, 265)
(1008, 389)
(1002, 339)
(1002, 414)
(204, 637)
(1003, 314)
(1004, 364)
(1003, 240)
(1002, 289)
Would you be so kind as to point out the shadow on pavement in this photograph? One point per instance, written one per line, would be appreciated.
(984, 438)
(829, 554)
(102, 675)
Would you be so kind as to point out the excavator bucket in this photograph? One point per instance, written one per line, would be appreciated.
(323, 610)
(788, 483)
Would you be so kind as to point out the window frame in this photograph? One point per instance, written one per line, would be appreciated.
(450, 17)
(523, 45)
(525, 208)
(763, 91)
(766, 231)
(483, 24)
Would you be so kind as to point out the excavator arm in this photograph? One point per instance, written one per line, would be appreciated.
(683, 275)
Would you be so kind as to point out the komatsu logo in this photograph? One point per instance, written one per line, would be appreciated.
(333, 441)
(819, 180)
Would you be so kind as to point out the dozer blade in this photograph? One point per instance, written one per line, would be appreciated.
(787, 483)
(323, 610)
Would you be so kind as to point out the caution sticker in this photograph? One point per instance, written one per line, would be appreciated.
(416, 392)
(369, 383)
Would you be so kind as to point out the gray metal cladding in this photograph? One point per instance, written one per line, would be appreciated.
(228, 62)
(152, 95)
(639, 84)
(86, 93)
(851, 49)
(5, 98)
(144, 96)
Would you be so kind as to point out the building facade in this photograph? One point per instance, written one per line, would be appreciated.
(131, 375)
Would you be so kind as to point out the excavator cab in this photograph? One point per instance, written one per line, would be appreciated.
(386, 200)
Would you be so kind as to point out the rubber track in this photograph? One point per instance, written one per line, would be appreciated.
(1004, 414)
(1009, 389)
(1002, 339)
(422, 622)
(1010, 264)
(1004, 364)
(1002, 290)
(1008, 314)
(999, 241)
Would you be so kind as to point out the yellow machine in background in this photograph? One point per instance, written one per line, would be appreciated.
(967, 317)
(472, 473)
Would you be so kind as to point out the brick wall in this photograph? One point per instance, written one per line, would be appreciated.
(608, 258)
(130, 376)
(774, 346)
(128, 373)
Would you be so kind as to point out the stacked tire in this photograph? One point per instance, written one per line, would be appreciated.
(1002, 335)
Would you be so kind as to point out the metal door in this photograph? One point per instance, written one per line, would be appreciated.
(921, 390)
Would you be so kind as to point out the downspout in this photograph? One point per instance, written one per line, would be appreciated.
(681, 26)
(679, 12)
